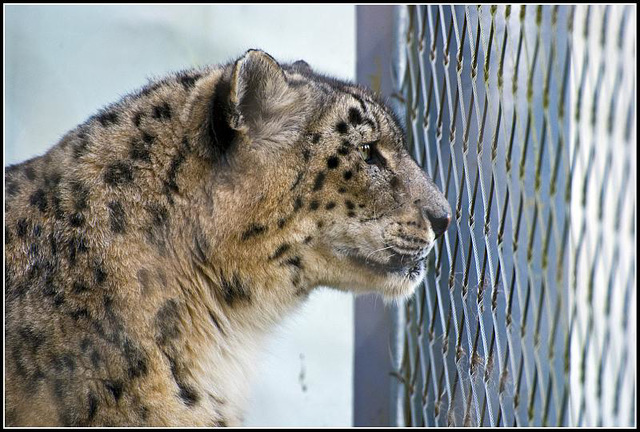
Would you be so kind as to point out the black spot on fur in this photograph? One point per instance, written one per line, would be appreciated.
(281, 250)
(342, 190)
(162, 111)
(156, 232)
(300, 290)
(50, 289)
(315, 139)
(85, 344)
(318, 184)
(143, 412)
(76, 245)
(297, 205)
(306, 154)
(347, 175)
(314, 205)
(253, 230)
(345, 148)
(95, 357)
(22, 354)
(30, 172)
(136, 359)
(281, 223)
(139, 150)
(371, 124)
(58, 299)
(64, 363)
(168, 323)
(355, 117)
(148, 139)
(22, 227)
(107, 118)
(342, 128)
(187, 393)
(297, 180)
(107, 303)
(295, 262)
(80, 287)
(39, 199)
(333, 162)
(351, 214)
(170, 183)
(349, 205)
(235, 291)
(115, 388)
(52, 180)
(137, 118)
(93, 406)
(118, 173)
(76, 220)
(185, 146)
(188, 81)
(80, 145)
(359, 99)
(308, 239)
(330, 205)
(80, 195)
(117, 217)
(79, 313)
(32, 338)
(56, 201)
(100, 275)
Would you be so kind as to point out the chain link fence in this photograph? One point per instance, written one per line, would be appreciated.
(525, 118)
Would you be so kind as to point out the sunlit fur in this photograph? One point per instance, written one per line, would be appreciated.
(150, 251)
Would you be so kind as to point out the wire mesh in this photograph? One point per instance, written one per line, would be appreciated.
(525, 118)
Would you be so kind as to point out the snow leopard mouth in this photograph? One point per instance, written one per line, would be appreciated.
(410, 266)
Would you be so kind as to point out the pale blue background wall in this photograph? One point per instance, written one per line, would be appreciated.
(62, 63)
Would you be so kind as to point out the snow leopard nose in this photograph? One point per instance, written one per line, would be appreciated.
(429, 201)
(439, 219)
(438, 211)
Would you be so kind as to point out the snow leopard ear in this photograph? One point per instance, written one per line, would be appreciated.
(258, 94)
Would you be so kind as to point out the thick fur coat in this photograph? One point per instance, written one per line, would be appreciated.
(151, 249)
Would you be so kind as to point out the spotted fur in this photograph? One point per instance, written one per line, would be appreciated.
(151, 249)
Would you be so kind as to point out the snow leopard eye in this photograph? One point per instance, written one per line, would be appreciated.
(365, 151)
(369, 153)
